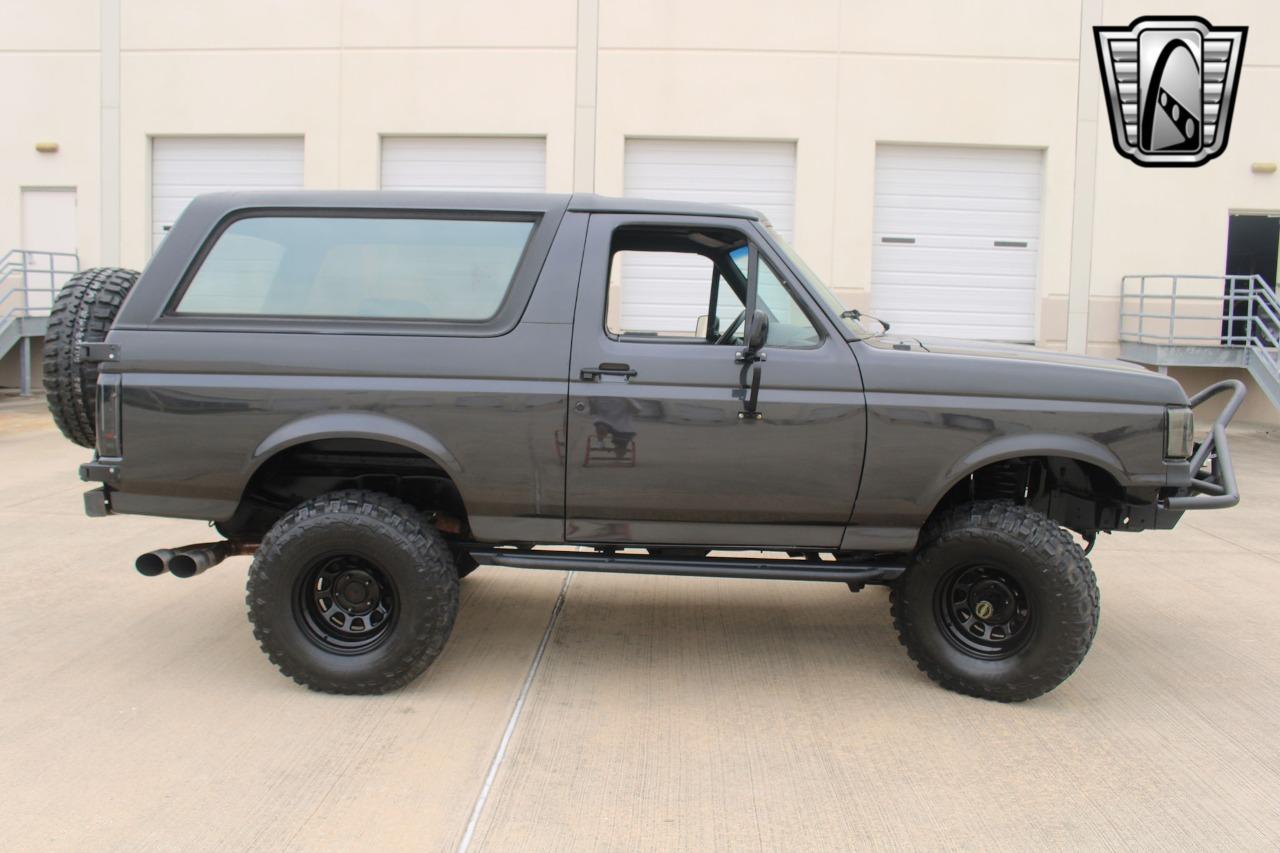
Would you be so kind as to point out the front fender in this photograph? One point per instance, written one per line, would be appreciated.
(1076, 447)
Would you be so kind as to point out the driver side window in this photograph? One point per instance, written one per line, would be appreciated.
(690, 285)
(668, 295)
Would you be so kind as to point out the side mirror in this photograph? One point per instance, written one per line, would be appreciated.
(702, 327)
(757, 331)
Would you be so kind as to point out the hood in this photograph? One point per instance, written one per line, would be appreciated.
(980, 368)
(1023, 352)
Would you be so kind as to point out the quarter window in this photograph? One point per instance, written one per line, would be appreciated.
(359, 267)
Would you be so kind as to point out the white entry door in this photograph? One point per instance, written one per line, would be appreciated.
(956, 241)
(658, 295)
(48, 225)
(183, 167)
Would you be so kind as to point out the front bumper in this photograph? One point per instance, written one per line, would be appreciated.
(1214, 487)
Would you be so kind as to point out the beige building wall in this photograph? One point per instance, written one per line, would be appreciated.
(836, 77)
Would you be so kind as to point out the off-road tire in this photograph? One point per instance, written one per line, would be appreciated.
(1042, 558)
(82, 314)
(375, 527)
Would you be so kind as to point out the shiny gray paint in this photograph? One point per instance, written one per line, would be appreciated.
(860, 439)
(700, 474)
(937, 413)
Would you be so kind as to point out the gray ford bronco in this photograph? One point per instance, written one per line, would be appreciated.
(373, 393)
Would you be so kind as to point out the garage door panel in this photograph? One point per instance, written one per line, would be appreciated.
(759, 175)
(956, 206)
(967, 206)
(994, 302)
(962, 157)
(955, 177)
(942, 224)
(908, 282)
(928, 194)
(445, 163)
(183, 167)
(973, 262)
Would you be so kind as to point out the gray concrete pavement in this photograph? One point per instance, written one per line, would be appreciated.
(666, 714)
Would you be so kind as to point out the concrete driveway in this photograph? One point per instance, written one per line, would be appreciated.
(663, 714)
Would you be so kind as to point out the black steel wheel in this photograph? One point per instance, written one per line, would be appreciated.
(998, 602)
(984, 611)
(352, 592)
(346, 603)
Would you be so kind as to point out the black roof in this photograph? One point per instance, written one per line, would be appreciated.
(424, 200)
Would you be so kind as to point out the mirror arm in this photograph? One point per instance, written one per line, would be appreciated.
(750, 400)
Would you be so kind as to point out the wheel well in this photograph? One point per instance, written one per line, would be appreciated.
(1078, 495)
(305, 471)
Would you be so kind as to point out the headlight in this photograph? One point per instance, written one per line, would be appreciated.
(1179, 433)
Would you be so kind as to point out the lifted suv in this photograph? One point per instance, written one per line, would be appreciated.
(373, 393)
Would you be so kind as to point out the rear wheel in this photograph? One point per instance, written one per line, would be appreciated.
(352, 592)
(999, 602)
(82, 314)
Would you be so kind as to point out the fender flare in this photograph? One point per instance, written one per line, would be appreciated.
(1030, 444)
(367, 425)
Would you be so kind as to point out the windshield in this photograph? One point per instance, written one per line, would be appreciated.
(816, 284)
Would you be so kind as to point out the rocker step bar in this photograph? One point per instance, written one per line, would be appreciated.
(707, 567)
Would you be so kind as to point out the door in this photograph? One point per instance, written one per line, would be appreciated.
(183, 167)
(1253, 248)
(956, 241)
(758, 175)
(48, 226)
(657, 451)
(492, 163)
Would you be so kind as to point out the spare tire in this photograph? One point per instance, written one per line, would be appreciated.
(82, 314)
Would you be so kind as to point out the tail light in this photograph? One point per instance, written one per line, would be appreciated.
(109, 441)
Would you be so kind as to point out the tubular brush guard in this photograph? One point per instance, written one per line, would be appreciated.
(1216, 488)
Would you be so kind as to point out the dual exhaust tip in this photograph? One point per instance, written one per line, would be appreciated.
(189, 561)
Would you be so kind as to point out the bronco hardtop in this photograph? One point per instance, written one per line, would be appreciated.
(373, 393)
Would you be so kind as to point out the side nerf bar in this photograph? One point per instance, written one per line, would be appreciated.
(1215, 488)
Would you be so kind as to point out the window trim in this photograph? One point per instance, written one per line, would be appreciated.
(799, 295)
(503, 320)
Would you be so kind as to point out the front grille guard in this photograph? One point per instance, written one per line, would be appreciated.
(1215, 487)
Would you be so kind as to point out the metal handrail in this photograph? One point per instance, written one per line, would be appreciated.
(1248, 316)
(31, 267)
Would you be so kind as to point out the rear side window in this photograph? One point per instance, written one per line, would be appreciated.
(359, 267)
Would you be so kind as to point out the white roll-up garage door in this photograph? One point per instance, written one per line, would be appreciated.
(759, 175)
(956, 241)
(183, 167)
(492, 163)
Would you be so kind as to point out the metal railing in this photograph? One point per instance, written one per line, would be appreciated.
(29, 283)
(30, 280)
(1238, 311)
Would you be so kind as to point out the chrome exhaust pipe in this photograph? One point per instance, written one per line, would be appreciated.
(194, 559)
(154, 563)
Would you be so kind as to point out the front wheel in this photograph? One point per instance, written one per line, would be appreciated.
(352, 592)
(999, 602)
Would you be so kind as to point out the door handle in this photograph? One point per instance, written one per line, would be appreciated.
(593, 374)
